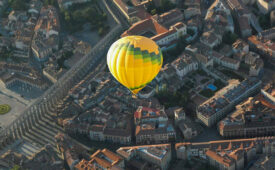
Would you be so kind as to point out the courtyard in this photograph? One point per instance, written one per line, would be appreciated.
(202, 86)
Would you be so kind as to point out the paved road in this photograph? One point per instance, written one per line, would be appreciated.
(115, 12)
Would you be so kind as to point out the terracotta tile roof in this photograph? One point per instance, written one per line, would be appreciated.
(143, 26)
(169, 16)
(143, 112)
(142, 13)
(239, 44)
(225, 160)
(124, 6)
(103, 158)
(165, 34)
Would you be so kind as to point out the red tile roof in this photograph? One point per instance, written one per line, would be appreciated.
(162, 35)
(143, 26)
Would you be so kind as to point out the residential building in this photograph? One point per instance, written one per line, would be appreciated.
(188, 128)
(69, 150)
(144, 114)
(159, 28)
(102, 159)
(245, 28)
(272, 18)
(45, 158)
(9, 80)
(205, 60)
(265, 5)
(46, 37)
(179, 114)
(216, 108)
(168, 71)
(169, 18)
(119, 131)
(254, 117)
(22, 75)
(191, 12)
(146, 92)
(255, 63)
(264, 162)
(226, 50)
(264, 47)
(210, 39)
(100, 125)
(230, 63)
(185, 64)
(132, 12)
(96, 132)
(53, 72)
(240, 46)
(224, 160)
(256, 68)
(156, 154)
(251, 57)
(219, 16)
(220, 153)
(48, 21)
(151, 132)
(268, 34)
(195, 24)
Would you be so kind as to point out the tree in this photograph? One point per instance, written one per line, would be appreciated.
(190, 32)
(19, 5)
(101, 31)
(67, 16)
(264, 21)
(104, 16)
(154, 11)
(151, 6)
(77, 16)
(229, 38)
(92, 150)
(49, 2)
(16, 167)
(166, 5)
(67, 54)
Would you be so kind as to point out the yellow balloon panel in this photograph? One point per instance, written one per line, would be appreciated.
(134, 61)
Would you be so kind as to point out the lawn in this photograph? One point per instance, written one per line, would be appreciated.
(4, 108)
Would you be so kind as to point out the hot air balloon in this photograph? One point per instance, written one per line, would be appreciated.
(134, 61)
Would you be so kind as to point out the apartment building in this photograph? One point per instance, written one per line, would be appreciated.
(216, 108)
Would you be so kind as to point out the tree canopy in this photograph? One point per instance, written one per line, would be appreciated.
(165, 5)
(229, 38)
(79, 14)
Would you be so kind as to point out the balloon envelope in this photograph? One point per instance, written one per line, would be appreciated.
(134, 61)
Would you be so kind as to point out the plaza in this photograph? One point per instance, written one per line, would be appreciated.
(17, 106)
